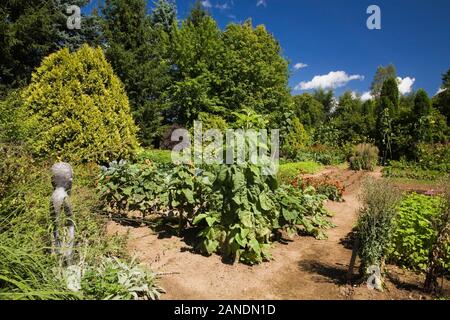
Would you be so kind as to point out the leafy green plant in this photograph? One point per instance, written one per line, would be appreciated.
(415, 232)
(157, 156)
(302, 211)
(113, 279)
(189, 190)
(128, 187)
(296, 139)
(375, 222)
(410, 170)
(365, 157)
(241, 226)
(287, 172)
(434, 157)
(249, 207)
(324, 154)
(331, 188)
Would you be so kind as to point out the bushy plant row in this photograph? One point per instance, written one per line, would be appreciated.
(325, 185)
(236, 210)
(415, 232)
(411, 170)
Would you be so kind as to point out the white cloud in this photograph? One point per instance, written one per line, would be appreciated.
(206, 4)
(225, 5)
(440, 90)
(261, 3)
(405, 85)
(332, 80)
(366, 96)
(300, 65)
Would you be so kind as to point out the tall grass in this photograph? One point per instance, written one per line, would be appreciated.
(27, 268)
(379, 199)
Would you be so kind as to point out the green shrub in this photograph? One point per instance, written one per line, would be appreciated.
(113, 279)
(375, 222)
(295, 141)
(364, 157)
(410, 170)
(323, 154)
(415, 232)
(128, 187)
(331, 188)
(289, 171)
(156, 156)
(434, 157)
(248, 207)
(12, 129)
(78, 110)
(15, 165)
(210, 121)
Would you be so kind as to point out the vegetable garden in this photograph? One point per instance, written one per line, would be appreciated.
(109, 102)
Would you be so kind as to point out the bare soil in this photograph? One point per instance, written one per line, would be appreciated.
(305, 268)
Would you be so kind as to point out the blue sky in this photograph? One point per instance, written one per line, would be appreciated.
(331, 38)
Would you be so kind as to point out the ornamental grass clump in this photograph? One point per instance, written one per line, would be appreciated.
(379, 200)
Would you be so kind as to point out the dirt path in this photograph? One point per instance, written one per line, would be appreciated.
(303, 269)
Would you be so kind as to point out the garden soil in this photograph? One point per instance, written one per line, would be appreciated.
(303, 268)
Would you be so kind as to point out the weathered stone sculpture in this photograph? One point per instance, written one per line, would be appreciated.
(62, 176)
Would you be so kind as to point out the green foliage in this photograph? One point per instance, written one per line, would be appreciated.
(442, 100)
(323, 154)
(434, 156)
(27, 269)
(11, 119)
(31, 30)
(422, 104)
(78, 110)
(139, 55)
(189, 190)
(218, 72)
(364, 157)
(164, 15)
(240, 228)
(375, 222)
(310, 111)
(162, 157)
(295, 141)
(14, 167)
(410, 170)
(234, 209)
(387, 109)
(353, 119)
(302, 211)
(253, 72)
(287, 172)
(210, 121)
(113, 279)
(324, 184)
(382, 74)
(249, 119)
(415, 232)
(129, 187)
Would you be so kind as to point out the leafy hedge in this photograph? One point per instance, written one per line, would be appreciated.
(415, 232)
